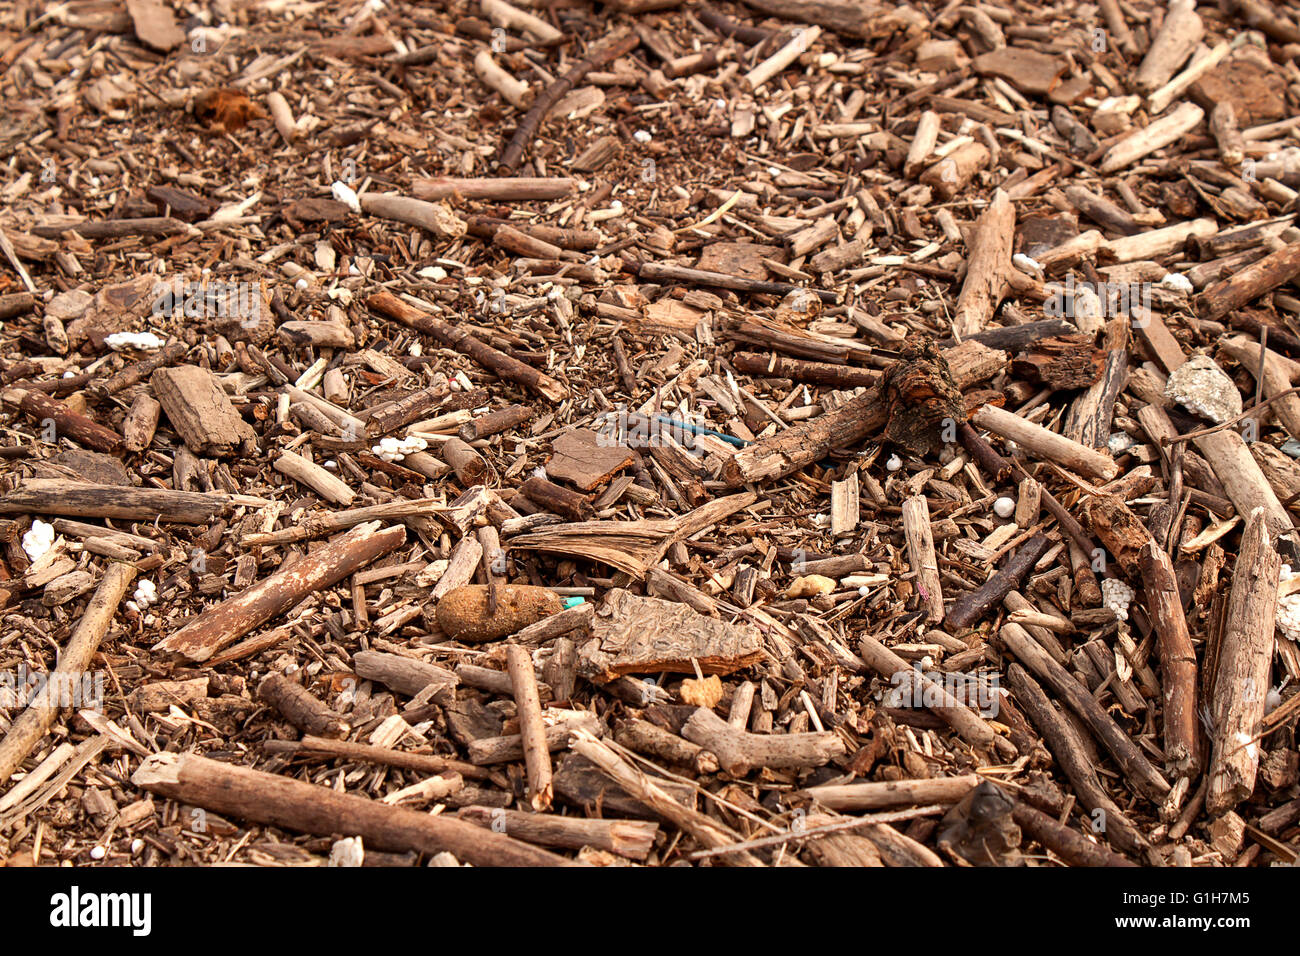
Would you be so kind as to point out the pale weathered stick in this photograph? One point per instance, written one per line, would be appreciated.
(34, 722)
(782, 58)
(1241, 682)
(739, 751)
(230, 620)
(528, 703)
(886, 794)
(1168, 129)
(920, 553)
(628, 838)
(1177, 37)
(1046, 444)
(1177, 660)
(295, 805)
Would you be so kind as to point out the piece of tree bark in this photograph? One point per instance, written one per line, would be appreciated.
(298, 706)
(1241, 679)
(279, 801)
(210, 631)
(199, 410)
(1174, 42)
(35, 721)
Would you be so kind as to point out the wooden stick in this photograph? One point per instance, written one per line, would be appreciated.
(230, 620)
(498, 362)
(1046, 444)
(33, 723)
(782, 58)
(1157, 135)
(739, 752)
(537, 758)
(1067, 748)
(971, 607)
(1241, 681)
(632, 839)
(1177, 660)
(1258, 278)
(883, 795)
(329, 487)
(298, 706)
(278, 801)
(987, 271)
(514, 90)
(436, 218)
(920, 551)
(62, 497)
(499, 189)
(647, 738)
(1177, 37)
(923, 143)
(1145, 778)
(704, 829)
(604, 53)
(67, 423)
(908, 679)
(348, 750)
(1064, 842)
(1241, 477)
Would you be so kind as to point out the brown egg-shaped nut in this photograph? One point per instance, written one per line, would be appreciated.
(463, 613)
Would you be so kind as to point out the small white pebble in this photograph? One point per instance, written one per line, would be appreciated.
(144, 341)
(302, 285)
(1004, 507)
(136, 846)
(98, 853)
(1176, 281)
(38, 540)
(642, 136)
(894, 463)
(1026, 263)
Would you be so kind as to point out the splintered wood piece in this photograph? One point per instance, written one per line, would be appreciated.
(1241, 681)
(1063, 362)
(406, 675)
(890, 794)
(587, 459)
(740, 752)
(920, 551)
(1244, 287)
(640, 635)
(1177, 660)
(200, 411)
(844, 506)
(1168, 129)
(990, 264)
(75, 658)
(553, 497)
(204, 635)
(922, 401)
(1230, 458)
(528, 703)
(268, 798)
(1174, 42)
